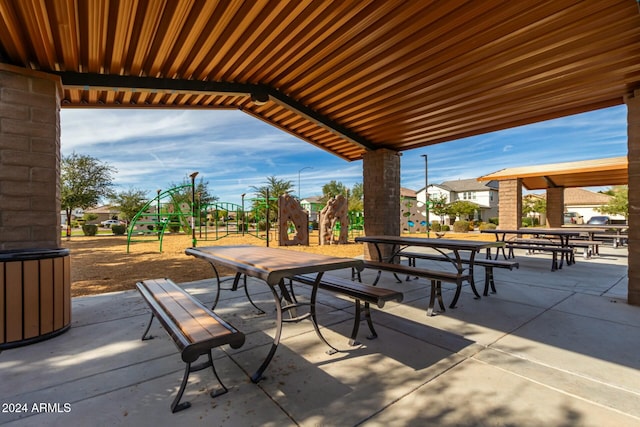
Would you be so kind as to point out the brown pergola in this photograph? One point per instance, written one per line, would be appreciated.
(554, 178)
(360, 79)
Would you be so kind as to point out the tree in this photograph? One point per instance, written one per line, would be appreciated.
(332, 189)
(461, 208)
(356, 198)
(84, 180)
(130, 202)
(533, 205)
(275, 188)
(619, 204)
(439, 206)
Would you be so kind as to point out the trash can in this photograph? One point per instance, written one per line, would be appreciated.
(35, 295)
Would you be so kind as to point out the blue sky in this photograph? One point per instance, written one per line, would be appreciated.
(151, 149)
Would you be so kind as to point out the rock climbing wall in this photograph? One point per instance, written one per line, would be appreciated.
(336, 211)
(292, 219)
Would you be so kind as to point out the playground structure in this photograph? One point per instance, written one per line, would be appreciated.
(166, 211)
(334, 216)
(413, 215)
(174, 211)
(293, 222)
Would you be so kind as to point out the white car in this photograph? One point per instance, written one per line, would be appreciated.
(108, 223)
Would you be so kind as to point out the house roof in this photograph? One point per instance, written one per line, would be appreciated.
(461, 185)
(407, 192)
(586, 173)
(348, 77)
(104, 209)
(579, 196)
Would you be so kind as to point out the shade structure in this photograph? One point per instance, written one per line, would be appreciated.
(348, 76)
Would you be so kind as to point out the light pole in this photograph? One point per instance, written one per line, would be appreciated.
(306, 167)
(193, 203)
(426, 190)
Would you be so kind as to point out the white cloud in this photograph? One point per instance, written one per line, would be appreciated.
(233, 151)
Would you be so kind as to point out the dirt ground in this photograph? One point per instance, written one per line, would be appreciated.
(101, 264)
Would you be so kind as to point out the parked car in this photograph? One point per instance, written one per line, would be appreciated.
(573, 218)
(109, 222)
(599, 220)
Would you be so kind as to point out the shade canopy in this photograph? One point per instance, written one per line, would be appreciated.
(346, 76)
(587, 173)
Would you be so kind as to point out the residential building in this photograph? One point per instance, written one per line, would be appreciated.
(313, 205)
(483, 194)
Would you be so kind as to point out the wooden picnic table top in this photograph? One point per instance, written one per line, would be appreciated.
(271, 264)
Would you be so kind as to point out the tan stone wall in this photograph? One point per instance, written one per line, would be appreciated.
(555, 206)
(29, 159)
(510, 210)
(633, 123)
(381, 184)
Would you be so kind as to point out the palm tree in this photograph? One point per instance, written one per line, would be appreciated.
(275, 188)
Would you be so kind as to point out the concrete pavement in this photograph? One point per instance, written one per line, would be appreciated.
(550, 348)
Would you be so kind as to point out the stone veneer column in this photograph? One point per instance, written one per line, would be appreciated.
(510, 208)
(633, 154)
(29, 159)
(381, 194)
(555, 206)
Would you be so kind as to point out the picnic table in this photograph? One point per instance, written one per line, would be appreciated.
(596, 230)
(561, 245)
(459, 253)
(273, 266)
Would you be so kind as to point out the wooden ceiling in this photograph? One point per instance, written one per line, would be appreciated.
(347, 76)
(586, 173)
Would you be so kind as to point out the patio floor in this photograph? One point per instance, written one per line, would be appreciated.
(550, 348)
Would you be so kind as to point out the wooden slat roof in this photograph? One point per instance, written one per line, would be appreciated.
(586, 173)
(348, 76)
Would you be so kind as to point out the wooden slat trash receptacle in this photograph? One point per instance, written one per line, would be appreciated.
(35, 295)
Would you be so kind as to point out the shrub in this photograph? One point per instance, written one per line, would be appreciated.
(494, 220)
(461, 226)
(435, 226)
(118, 229)
(487, 226)
(89, 229)
(445, 228)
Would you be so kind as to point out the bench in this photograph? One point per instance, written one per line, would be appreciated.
(615, 239)
(435, 276)
(549, 247)
(195, 329)
(360, 292)
(589, 247)
(487, 264)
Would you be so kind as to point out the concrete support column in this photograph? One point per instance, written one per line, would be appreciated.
(381, 184)
(29, 159)
(633, 153)
(555, 206)
(510, 196)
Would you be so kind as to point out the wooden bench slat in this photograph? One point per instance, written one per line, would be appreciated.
(477, 261)
(195, 329)
(362, 291)
(444, 276)
(195, 321)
